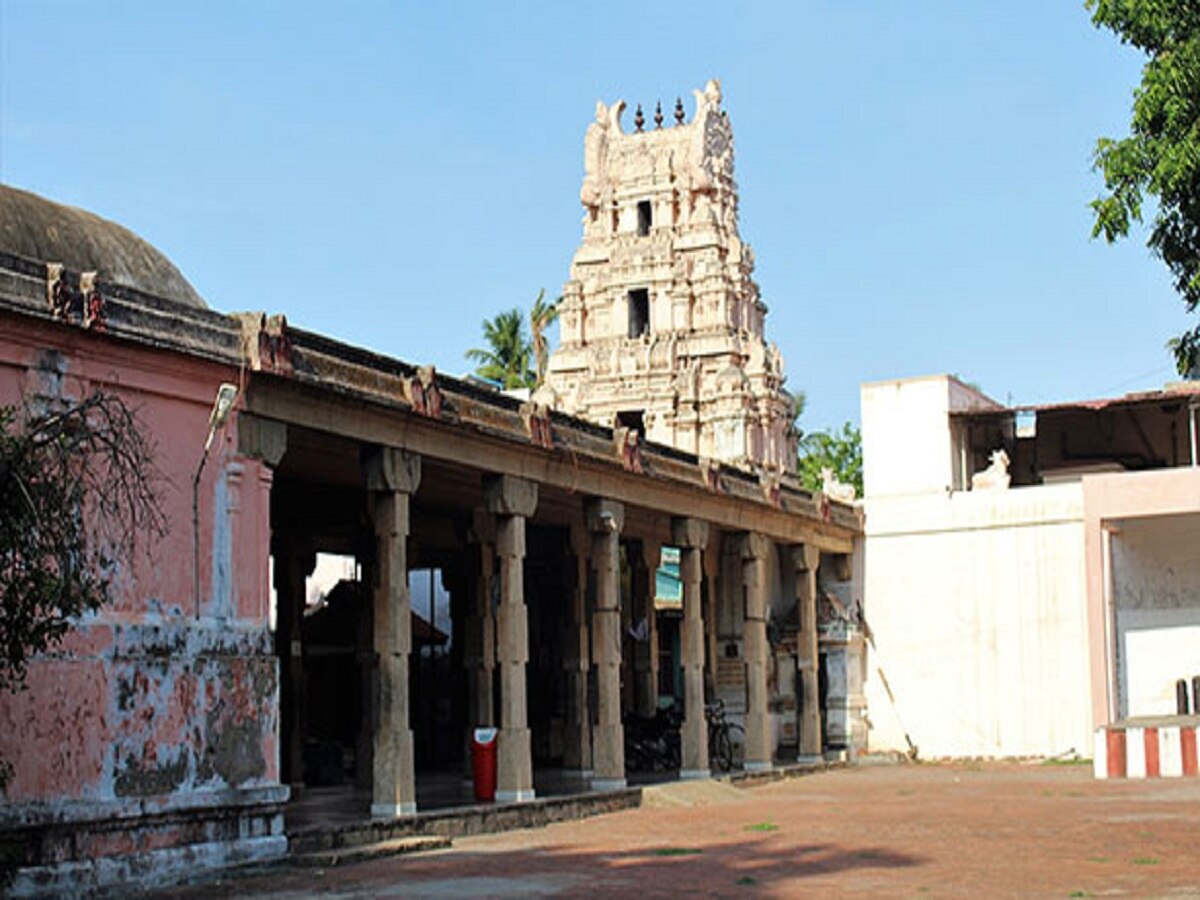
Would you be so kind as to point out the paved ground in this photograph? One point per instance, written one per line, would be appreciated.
(912, 831)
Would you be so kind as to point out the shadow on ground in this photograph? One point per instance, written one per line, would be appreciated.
(656, 870)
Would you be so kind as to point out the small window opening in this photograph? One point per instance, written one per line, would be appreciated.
(644, 218)
(634, 419)
(639, 312)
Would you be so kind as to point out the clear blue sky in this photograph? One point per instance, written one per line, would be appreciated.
(914, 175)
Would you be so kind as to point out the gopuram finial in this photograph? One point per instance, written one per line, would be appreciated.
(678, 110)
(638, 119)
(658, 116)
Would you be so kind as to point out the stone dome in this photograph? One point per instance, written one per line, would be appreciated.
(40, 229)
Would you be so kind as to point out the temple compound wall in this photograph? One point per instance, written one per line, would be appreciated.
(661, 322)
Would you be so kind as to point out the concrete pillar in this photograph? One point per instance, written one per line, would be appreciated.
(577, 742)
(643, 564)
(293, 565)
(691, 537)
(755, 553)
(392, 476)
(604, 520)
(805, 559)
(512, 500)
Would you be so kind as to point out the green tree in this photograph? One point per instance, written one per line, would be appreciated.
(1161, 154)
(77, 490)
(839, 450)
(509, 352)
(541, 317)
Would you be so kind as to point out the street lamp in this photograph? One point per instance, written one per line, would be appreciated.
(226, 396)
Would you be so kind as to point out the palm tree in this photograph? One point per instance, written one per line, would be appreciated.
(541, 317)
(506, 360)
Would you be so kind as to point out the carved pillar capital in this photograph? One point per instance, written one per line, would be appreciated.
(507, 495)
(805, 557)
(755, 545)
(689, 533)
(389, 469)
(604, 516)
(261, 438)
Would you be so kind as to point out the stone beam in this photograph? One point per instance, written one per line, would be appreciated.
(796, 522)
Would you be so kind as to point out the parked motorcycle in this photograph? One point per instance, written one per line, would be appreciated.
(653, 744)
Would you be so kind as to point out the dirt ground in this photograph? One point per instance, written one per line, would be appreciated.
(1000, 829)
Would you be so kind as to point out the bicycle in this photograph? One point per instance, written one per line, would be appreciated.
(720, 731)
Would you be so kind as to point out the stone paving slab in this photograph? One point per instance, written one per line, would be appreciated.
(942, 830)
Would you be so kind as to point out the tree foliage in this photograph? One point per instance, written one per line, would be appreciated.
(1161, 154)
(839, 450)
(77, 491)
(508, 356)
(541, 317)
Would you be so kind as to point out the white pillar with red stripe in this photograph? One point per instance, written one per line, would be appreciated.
(1161, 750)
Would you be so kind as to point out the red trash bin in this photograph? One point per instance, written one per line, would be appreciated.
(483, 763)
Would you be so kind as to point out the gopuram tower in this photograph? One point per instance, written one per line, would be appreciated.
(661, 323)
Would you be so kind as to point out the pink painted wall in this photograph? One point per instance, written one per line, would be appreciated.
(1108, 499)
(145, 699)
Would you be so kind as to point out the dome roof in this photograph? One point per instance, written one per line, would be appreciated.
(40, 229)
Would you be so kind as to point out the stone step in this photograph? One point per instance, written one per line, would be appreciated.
(327, 859)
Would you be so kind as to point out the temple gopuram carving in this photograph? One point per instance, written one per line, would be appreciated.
(661, 322)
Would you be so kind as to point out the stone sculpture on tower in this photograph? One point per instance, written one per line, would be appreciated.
(661, 323)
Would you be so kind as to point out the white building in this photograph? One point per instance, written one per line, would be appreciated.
(1014, 620)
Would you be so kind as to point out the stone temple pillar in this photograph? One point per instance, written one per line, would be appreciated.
(643, 568)
(755, 553)
(691, 537)
(392, 477)
(367, 662)
(577, 743)
(604, 520)
(479, 635)
(293, 565)
(806, 558)
(512, 500)
(712, 568)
